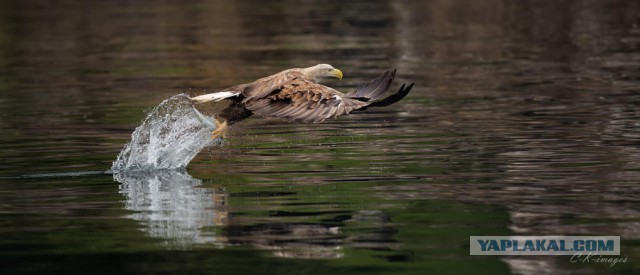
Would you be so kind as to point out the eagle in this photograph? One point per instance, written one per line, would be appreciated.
(296, 95)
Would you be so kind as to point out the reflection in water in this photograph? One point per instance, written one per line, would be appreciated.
(316, 240)
(172, 205)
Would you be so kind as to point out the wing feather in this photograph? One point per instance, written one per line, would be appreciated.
(376, 88)
(302, 100)
(266, 85)
(290, 96)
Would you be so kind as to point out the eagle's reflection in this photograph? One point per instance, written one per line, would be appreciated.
(173, 206)
(176, 208)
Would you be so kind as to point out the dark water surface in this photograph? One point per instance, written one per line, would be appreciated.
(524, 120)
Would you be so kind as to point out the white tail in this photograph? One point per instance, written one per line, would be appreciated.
(213, 97)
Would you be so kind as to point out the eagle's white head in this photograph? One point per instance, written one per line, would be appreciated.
(320, 71)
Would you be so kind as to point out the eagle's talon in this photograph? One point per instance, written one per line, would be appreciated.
(220, 131)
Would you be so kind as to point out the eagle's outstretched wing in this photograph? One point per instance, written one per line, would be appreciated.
(303, 100)
(299, 99)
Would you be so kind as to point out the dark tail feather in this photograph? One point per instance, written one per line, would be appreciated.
(375, 89)
(402, 92)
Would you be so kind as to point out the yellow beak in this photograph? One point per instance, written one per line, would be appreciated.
(336, 73)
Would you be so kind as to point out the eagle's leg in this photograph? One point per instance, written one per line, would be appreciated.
(220, 131)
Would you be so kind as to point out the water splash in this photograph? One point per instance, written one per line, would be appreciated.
(171, 135)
